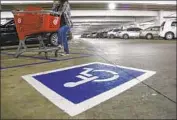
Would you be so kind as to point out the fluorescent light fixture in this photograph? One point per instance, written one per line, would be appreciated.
(112, 6)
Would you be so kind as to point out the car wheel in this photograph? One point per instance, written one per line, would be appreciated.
(125, 36)
(104, 35)
(149, 36)
(169, 36)
(54, 39)
(111, 36)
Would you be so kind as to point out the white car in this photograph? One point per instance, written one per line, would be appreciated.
(168, 29)
(150, 33)
(113, 33)
(132, 32)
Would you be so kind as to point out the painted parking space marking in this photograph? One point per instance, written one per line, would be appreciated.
(78, 88)
(49, 60)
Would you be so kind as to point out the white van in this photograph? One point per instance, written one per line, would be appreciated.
(168, 29)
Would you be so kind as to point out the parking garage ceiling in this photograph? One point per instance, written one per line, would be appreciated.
(93, 15)
(95, 5)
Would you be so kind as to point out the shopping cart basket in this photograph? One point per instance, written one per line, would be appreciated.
(35, 21)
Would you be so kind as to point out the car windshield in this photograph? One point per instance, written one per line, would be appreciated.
(148, 28)
(116, 30)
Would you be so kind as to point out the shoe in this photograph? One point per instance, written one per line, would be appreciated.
(59, 46)
(64, 54)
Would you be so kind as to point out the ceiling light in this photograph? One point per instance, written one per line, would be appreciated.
(112, 6)
(3, 2)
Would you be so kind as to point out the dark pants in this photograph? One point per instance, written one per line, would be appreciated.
(62, 37)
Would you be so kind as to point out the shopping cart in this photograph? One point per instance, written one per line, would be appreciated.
(36, 22)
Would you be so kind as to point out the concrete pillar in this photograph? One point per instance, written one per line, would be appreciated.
(159, 18)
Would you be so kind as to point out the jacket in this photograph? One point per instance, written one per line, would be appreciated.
(65, 13)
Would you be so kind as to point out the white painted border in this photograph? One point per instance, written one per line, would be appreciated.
(75, 109)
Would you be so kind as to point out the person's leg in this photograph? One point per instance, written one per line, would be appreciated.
(59, 34)
(65, 41)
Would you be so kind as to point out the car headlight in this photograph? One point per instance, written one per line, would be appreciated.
(3, 29)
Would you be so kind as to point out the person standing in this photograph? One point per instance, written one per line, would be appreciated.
(63, 7)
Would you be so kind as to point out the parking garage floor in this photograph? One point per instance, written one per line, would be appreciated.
(153, 98)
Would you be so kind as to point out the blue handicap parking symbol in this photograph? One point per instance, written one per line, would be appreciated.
(82, 83)
(78, 88)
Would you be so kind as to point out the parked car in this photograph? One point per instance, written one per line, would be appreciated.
(84, 35)
(9, 35)
(93, 35)
(150, 33)
(102, 34)
(98, 35)
(89, 35)
(132, 32)
(52, 38)
(113, 33)
(168, 29)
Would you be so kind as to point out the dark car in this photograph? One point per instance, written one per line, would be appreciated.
(53, 38)
(102, 34)
(9, 35)
(84, 35)
(98, 35)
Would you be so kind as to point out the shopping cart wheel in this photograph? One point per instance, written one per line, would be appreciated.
(39, 53)
(16, 56)
(46, 55)
(56, 53)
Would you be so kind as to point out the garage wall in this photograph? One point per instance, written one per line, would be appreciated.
(163, 14)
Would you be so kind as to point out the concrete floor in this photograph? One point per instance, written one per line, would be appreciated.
(155, 98)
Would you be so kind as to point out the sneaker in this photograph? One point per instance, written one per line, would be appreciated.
(64, 54)
(67, 54)
(59, 46)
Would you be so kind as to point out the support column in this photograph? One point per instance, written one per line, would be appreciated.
(159, 18)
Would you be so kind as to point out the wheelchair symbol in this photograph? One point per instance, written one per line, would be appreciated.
(86, 77)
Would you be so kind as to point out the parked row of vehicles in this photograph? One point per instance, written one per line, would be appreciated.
(167, 30)
(9, 35)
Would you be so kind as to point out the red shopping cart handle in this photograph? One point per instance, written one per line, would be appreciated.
(40, 12)
(34, 9)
